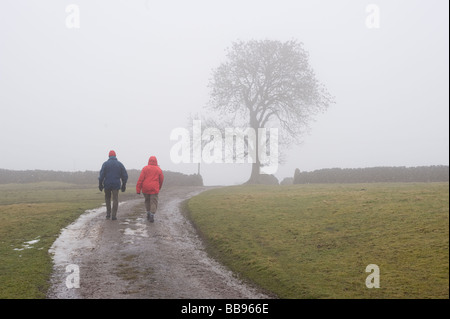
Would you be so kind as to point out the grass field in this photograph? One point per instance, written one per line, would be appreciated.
(31, 217)
(315, 241)
(302, 241)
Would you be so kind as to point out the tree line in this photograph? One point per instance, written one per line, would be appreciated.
(90, 177)
(436, 173)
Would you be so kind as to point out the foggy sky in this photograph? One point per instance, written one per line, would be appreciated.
(134, 71)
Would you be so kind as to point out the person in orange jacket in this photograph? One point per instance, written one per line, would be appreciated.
(150, 182)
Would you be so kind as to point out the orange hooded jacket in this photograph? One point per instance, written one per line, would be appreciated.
(151, 179)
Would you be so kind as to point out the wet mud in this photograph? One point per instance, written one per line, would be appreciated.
(133, 258)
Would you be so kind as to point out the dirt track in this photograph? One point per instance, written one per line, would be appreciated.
(132, 258)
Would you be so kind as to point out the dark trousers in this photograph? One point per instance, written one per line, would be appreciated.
(114, 194)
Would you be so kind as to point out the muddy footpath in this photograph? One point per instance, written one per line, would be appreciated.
(131, 258)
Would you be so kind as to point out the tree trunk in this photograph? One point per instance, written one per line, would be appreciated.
(254, 177)
(256, 166)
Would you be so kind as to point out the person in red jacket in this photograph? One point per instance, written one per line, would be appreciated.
(150, 182)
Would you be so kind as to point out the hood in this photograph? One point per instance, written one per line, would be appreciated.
(153, 161)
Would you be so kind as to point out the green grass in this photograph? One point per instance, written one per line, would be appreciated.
(36, 211)
(315, 241)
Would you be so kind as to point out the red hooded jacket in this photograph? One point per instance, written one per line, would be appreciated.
(151, 179)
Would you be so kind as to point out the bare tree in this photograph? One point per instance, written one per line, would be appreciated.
(268, 84)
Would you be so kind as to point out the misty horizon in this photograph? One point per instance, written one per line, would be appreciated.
(77, 82)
